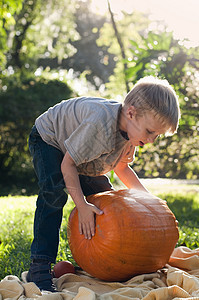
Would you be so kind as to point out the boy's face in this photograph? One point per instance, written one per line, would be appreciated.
(143, 129)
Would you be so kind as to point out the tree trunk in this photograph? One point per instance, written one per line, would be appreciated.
(121, 45)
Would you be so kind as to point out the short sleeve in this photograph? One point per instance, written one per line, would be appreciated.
(128, 154)
(87, 143)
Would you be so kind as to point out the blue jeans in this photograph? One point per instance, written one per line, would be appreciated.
(52, 197)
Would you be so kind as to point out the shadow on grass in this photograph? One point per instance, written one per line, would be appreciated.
(185, 208)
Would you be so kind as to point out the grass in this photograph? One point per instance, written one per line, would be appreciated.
(186, 209)
(17, 213)
(16, 226)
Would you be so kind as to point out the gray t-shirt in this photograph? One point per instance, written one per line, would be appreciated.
(88, 129)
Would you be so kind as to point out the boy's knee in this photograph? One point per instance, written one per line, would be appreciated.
(52, 191)
(52, 182)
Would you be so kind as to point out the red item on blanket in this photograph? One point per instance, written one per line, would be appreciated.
(63, 267)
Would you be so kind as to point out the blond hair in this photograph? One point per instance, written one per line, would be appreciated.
(156, 95)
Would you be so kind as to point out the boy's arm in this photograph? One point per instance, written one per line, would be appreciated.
(86, 210)
(128, 177)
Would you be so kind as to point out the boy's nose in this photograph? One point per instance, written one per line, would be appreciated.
(151, 139)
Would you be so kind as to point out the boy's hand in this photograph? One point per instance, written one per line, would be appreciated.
(86, 214)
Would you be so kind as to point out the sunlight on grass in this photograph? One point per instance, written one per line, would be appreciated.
(17, 202)
(160, 185)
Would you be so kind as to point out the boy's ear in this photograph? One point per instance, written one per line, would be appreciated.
(131, 112)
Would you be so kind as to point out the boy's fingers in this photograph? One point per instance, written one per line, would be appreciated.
(88, 228)
(92, 229)
(85, 231)
(80, 228)
(98, 211)
(88, 231)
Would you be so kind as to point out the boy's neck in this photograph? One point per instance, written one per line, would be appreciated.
(122, 119)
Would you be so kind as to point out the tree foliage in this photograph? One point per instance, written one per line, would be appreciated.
(8, 8)
(41, 28)
(58, 34)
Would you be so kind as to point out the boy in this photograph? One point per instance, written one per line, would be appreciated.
(75, 143)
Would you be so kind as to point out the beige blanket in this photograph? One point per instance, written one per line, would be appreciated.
(178, 280)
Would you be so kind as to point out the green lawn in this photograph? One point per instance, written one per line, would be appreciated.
(16, 221)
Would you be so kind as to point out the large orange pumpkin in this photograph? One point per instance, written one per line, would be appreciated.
(136, 234)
